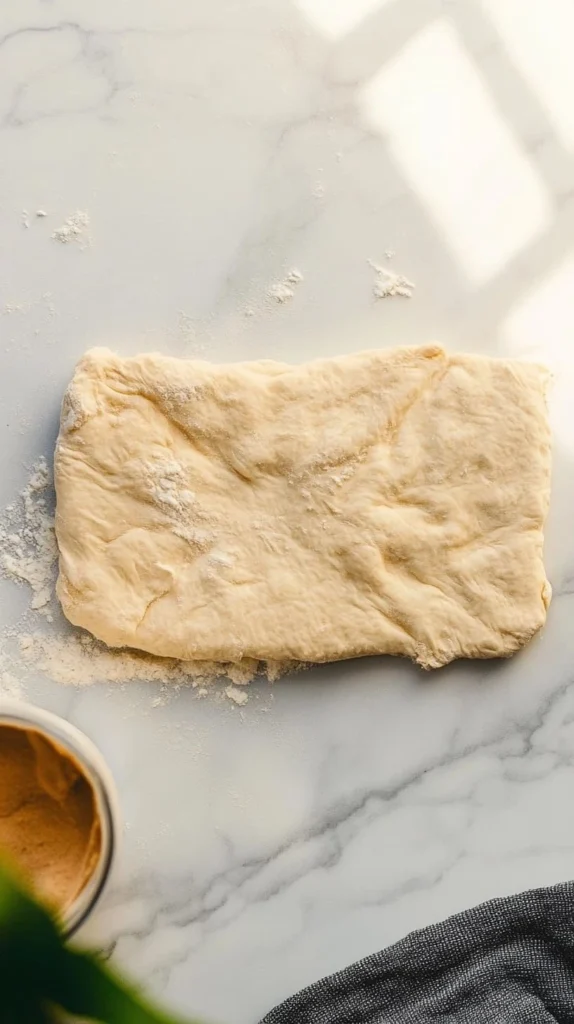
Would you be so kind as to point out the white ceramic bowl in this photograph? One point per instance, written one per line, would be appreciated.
(19, 713)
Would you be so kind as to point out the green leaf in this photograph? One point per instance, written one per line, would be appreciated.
(37, 970)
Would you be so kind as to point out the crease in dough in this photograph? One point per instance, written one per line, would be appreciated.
(386, 502)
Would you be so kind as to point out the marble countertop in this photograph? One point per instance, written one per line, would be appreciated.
(215, 146)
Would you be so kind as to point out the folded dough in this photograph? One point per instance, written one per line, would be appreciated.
(381, 503)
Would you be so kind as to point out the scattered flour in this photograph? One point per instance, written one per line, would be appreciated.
(28, 550)
(284, 290)
(79, 659)
(387, 284)
(74, 229)
(26, 217)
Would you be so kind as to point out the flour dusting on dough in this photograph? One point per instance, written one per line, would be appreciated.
(166, 483)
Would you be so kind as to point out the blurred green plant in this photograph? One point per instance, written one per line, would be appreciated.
(43, 981)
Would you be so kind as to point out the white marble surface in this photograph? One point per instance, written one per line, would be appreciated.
(214, 146)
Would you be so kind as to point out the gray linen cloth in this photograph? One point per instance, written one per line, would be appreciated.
(510, 961)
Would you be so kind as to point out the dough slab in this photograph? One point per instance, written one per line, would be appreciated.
(389, 502)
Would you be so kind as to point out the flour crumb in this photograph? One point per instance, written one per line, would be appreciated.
(166, 484)
(236, 695)
(74, 229)
(41, 213)
(387, 284)
(283, 291)
(25, 219)
(294, 276)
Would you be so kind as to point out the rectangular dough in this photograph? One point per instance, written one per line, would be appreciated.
(388, 502)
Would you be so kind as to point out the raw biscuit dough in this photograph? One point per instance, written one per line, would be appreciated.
(388, 502)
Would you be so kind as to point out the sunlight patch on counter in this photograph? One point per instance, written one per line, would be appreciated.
(538, 40)
(335, 18)
(457, 152)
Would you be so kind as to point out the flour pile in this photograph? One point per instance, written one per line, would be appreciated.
(388, 284)
(74, 229)
(284, 290)
(28, 550)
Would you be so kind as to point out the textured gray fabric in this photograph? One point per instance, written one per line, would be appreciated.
(510, 960)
